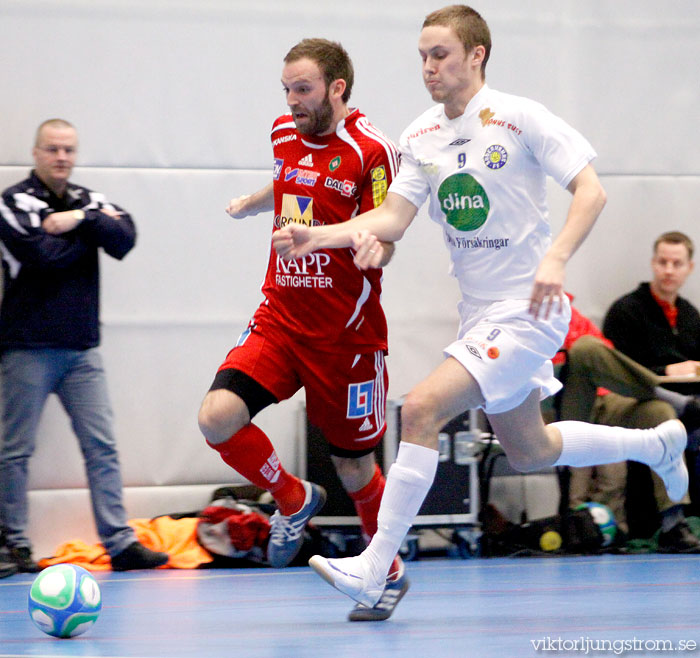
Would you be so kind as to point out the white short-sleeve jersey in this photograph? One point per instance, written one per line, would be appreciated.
(485, 173)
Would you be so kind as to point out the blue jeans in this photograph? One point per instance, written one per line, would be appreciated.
(78, 378)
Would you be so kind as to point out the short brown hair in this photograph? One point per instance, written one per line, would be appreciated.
(471, 29)
(54, 123)
(331, 58)
(676, 237)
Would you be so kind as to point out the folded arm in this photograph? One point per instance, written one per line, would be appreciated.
(111, 228)
(22, 233)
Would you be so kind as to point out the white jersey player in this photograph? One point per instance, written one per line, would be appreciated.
(482, 158)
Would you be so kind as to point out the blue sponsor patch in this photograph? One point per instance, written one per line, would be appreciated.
(360, 398)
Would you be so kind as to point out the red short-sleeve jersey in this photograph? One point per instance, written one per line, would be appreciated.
(323, 299)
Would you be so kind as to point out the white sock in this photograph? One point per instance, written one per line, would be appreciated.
(585, 444)
(407, 484)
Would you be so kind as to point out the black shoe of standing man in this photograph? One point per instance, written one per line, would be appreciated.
(21, 556)
(7, 568)
(137, 556)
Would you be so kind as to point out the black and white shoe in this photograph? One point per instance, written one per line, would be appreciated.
(397, 585)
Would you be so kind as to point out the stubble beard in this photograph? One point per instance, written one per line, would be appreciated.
(319, 121)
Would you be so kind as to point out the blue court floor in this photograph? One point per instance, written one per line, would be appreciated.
(634, 605)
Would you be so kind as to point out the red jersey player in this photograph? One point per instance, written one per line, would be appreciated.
(321, 325)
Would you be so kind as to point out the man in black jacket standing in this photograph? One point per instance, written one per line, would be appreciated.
(50, 233)
(658, 328)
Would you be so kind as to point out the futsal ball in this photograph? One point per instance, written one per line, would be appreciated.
(64, 600)
(604, 519)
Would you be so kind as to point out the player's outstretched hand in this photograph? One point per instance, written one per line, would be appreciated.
(368, 250)
(238, 207)
(293, 241)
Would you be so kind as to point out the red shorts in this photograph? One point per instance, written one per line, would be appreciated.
(345, 392)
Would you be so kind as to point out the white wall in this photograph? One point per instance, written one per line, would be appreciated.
(173, 101)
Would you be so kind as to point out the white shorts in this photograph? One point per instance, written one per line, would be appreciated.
(507, 351)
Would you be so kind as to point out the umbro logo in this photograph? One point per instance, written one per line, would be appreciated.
(460, 141)
(474, 351)
(307, 161)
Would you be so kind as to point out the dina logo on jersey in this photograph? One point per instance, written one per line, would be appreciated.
(464, 202)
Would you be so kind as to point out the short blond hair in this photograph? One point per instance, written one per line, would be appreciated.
(54, 123)
(471, 29)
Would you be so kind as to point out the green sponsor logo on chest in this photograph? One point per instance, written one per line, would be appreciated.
(464, 202)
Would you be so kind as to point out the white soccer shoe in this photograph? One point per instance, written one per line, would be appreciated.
(350, 576)
(672, 469)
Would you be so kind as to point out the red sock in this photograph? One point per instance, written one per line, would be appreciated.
(395, 569)
(250, 452)
(367, 502)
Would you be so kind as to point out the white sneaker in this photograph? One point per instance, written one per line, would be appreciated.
(672, 469)
(350, 576)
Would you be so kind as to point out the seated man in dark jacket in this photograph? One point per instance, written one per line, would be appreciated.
(654, 325)
(631, 398)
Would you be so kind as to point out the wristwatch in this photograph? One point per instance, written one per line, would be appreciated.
(79, 215)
